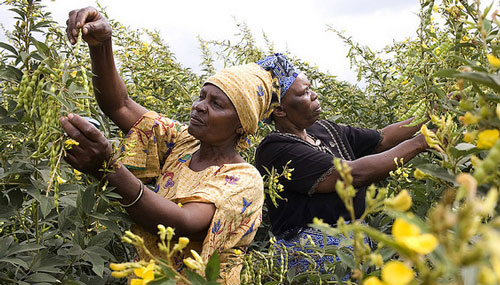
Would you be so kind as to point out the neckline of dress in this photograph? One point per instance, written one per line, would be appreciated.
(317, 142)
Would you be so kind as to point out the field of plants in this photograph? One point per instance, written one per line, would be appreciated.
(433, 221)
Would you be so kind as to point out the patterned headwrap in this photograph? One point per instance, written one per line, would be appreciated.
(283, 73)
(249, 87)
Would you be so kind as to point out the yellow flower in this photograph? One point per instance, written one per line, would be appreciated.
(409, 235)
(121, 274)
(237, 251)
(162, 231)
(69, 143)
(118, 266)
(196, 256)
(146, 273)
(402, 229)
(431, 138)
(424, 46)
(495, 262)
(493, 60)
(469, 137)
(470, 119)
(401, 202)
(193, 264)
(487, 138)
(73, 73)
(372, 280)
(397, 273)
(486, 276)
(181, 244)
(60, 180)
(78, 174)
(419, 174)
(422, 244)
(376, 259)
(170, 233)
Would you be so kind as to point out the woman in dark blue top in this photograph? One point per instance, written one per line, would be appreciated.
(310, 146)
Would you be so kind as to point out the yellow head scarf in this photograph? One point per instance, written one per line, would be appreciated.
(249, 87)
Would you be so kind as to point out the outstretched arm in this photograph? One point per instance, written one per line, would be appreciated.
(192, 220)
(396, 133)
(372, 168)
(109, 89)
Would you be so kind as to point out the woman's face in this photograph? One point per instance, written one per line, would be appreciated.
(300, 103)
(213, 117)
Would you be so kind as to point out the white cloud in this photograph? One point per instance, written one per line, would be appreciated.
(297, 25)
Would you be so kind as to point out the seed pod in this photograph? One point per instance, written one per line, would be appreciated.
(411, 111)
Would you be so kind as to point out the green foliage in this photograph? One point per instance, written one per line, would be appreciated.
(58, 225)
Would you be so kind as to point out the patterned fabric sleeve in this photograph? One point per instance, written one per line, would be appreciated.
(153, 137)
(238, 194)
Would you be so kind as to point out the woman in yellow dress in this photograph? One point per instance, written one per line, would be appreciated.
(197, 165)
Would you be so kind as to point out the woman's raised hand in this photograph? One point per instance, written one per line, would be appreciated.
(92, 149)
(95, 29)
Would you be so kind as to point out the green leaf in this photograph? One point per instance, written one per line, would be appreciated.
(97, 262)
(99, 251)
(9, 48)
(448, 72)
(490, 80)
(194, 277)
(46, 205)
(15, 261)
(437, 172)
(346, 258)
(112, 226)
(5, 244)
(102, 239)
(42, 277)
(88, 199)
(19, 248)
(41, 47)
(213, 267)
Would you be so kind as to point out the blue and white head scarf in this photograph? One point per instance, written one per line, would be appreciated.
(283, 73)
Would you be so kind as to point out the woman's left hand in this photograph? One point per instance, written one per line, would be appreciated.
(93, 148)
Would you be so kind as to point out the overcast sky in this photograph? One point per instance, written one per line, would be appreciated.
(297, 25)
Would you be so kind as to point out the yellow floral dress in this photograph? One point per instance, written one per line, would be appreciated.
(163, 149)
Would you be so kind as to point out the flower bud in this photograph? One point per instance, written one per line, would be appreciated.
(196, 256)
(401, 202)
(181, 244)
(376, 259)
(193, 264)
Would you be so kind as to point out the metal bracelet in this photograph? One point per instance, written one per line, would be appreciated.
(141, 191)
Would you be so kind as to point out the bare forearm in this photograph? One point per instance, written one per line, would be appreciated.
(151, 209)
(397, 133)
(372, 168)
(110, 90)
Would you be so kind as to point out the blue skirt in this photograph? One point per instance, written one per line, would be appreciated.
(312, 260)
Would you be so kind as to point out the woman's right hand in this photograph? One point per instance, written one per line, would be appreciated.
(95, 29)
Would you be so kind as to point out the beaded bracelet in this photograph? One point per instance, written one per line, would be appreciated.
(141, 191)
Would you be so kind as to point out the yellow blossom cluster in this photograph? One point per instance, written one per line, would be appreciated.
(411, 237)
(393, 272)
